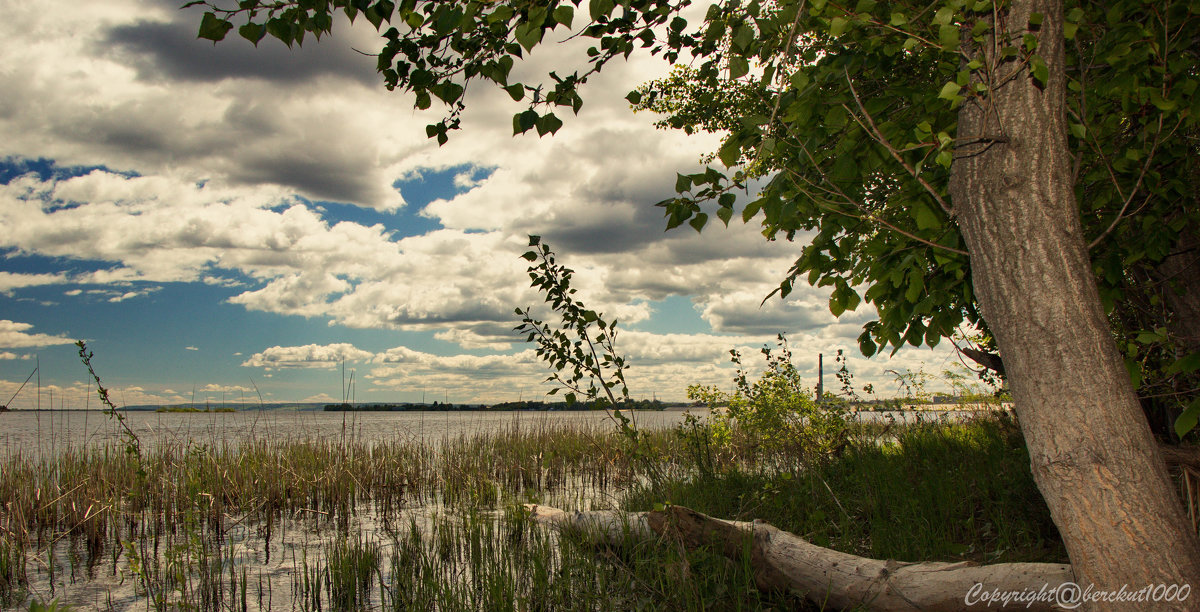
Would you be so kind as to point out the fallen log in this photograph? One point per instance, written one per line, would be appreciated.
(784, 561)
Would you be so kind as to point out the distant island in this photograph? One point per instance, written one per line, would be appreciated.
(192, 409)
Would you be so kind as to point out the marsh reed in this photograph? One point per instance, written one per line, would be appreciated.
(343, 523)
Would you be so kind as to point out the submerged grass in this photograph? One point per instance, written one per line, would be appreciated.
(448, 534)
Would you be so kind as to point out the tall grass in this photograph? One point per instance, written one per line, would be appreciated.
(924, 491)
(433, 525)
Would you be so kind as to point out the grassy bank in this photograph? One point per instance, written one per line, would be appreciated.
(435, 525)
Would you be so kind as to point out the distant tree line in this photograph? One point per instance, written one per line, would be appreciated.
(519, 405)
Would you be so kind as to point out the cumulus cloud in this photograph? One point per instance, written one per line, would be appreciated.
(307, 356)
(14, 335)
(171, 51)
(217, 388)
(11, 280)
(215, 155)
(78, 395)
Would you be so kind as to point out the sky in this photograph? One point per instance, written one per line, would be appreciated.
(222, 223)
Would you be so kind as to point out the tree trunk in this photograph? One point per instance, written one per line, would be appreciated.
(782, 561)
(1091, 450)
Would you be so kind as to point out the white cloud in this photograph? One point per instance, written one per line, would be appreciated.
(13, 335)
(13, 356)
(307, 356)
(190, 348)
(78, 395)
(216, 388)
(225, 138)
(10, 280)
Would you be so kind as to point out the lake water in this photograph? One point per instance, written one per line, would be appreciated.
(300, 539)
(44, 432)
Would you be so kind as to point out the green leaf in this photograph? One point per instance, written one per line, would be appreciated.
(724, 214)
(738, 67)
(548, 124)
(836, 118)
(1077, 130)
(1041, 73)
(524, 121)
(898, 19)
(1163, 104)
(448, 92)
(867, 346)
(836, 306)
(422, 100)
(698, 222)
(852, 299)
(516, 91)
(950, 91)
(634, 97)
(750, 210)
(837, 26)
(800, 79)
(600, 8)
(916, 285)
(529, 35)
(214, 28)
(564, 14)
(1188, 419)
(926, 218)
(682, 183)
(1187, 365)
(252, 32)
(948, 37)
(743, 37)
(730, 153)
(943, 16)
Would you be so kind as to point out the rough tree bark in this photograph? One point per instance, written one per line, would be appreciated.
(1091, 450)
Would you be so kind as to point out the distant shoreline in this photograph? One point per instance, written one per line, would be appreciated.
(969, 406)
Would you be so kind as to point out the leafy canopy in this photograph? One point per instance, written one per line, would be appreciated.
(848, 113)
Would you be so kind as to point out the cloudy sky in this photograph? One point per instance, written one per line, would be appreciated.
(215, 219)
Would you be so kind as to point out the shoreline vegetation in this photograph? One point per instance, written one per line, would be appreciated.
(406, 524)
(206, 409)
(934, 403)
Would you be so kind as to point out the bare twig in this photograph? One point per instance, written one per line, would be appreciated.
(881, 139)
(1136, 186)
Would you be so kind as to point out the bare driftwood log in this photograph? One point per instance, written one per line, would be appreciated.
(783, 561)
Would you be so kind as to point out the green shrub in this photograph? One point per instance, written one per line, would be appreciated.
(776, 412)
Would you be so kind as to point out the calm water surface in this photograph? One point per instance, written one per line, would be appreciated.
(46, 432)
(31, 432)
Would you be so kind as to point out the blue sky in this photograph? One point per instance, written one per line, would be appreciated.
(214, 220)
